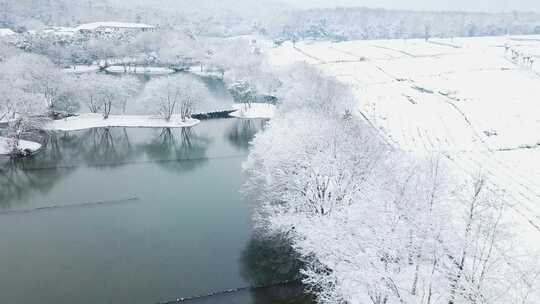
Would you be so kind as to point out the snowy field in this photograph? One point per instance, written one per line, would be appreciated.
(91, 121)
(477, 100)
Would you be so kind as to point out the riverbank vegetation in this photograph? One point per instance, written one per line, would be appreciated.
(37, 92)
(373, 223)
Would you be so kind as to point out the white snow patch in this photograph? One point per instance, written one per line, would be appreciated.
(6, 32)
(91, 121)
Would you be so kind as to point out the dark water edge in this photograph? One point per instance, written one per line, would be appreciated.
(282, 293)
(213, 115)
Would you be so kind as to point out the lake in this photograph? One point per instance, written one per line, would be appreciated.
(138, 216)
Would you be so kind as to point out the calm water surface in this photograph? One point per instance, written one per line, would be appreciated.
(139, 216)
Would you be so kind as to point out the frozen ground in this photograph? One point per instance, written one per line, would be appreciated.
(253, 111)
(23, 145)
(90, 121)
(471, 98)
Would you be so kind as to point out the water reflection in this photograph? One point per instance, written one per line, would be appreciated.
(243, 131)
(269, 261)
(291, 293)
(182, 145)
(178, 150)
(106, 146)
(17, 183)
(117, 146)
(272, 267)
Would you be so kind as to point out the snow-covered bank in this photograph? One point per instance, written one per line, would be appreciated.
(139, 70)
(80, 69)
(119, 69)
(254, 111)
(91, 121)
(196, 70)
(23, 146)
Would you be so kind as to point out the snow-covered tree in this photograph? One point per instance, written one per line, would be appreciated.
(103, 93)
(37, 75)
(20, 108)
(321, 172)
(375, 224)
(364, 23)
(179, 47)
(305, 87)
(22, 98)
(234, 58)
(7, 51)
(174, 95)
(102, 50)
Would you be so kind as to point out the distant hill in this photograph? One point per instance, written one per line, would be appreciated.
(366, 23)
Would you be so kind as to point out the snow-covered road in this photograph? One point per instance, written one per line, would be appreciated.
(470, 98)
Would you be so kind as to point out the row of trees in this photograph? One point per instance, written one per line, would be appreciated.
(180, 95)
(166, 46)
(229, 18)
(34, 87)
(164, 97)
(243, 68)
(105, 93)
(239, 62)
(365, 23)
(35, 90)
(375, 224)
(207, 17)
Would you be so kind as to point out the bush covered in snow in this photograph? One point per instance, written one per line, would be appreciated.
(375, 224)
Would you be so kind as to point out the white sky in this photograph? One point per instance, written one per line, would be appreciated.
(461, 5)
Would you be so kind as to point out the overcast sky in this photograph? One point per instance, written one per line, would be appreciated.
(462, 5)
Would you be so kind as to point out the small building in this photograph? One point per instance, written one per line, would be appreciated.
(113, 27)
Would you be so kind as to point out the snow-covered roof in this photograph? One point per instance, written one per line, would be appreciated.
(95, 25)
(6, 32)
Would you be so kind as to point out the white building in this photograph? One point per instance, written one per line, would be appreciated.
(113, 27)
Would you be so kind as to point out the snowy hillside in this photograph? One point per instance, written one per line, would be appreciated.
(477, 100)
